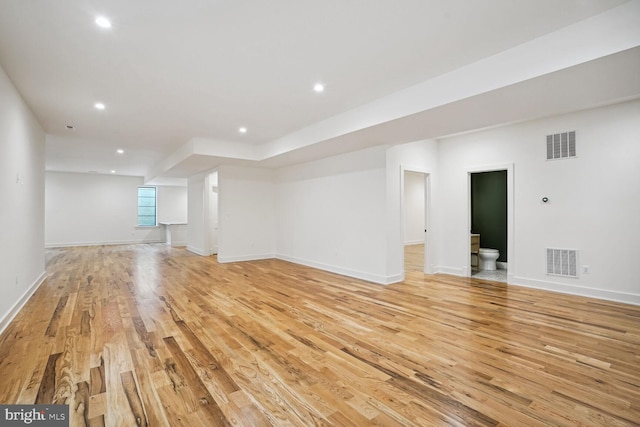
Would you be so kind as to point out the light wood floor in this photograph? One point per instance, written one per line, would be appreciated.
(414, 258)
(154, 335)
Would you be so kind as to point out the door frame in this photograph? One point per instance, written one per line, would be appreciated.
(211, 187)
(428, 267)
(509, 167)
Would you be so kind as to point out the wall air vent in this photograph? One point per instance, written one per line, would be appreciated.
(562, 262)
(561, 145)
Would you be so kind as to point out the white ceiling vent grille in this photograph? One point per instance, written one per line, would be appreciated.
(562, 262)
(561, 145)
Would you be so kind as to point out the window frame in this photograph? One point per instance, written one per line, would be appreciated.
(155, 206)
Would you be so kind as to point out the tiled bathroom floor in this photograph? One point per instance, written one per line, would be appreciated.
(496, 276)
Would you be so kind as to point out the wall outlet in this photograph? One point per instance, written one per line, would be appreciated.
(585, 269)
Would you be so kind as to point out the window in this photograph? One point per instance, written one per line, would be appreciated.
(147, 206)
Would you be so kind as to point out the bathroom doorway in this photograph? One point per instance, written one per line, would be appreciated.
(415, 220)
(489, 223)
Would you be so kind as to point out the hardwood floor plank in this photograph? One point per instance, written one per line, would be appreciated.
(148, 393)
(36, 362)
(448, 406)
(64, 375)
(133, 397)
(97, 421)
(52, 329)
(97, 378)
(48, 384)
(117, 360)
(197, 396)
(155, 335)
(81, 405)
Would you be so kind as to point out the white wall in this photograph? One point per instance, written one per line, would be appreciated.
(246, 209)
(594, 199)
(172, 204)
(196, 229)
(331, 214)
(413, 208)
(202, 230)
(90, 209)
(22, 149)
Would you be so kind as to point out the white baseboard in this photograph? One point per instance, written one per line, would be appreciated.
(252, 257)
(112, 243)
(603, 294)
(563, 288)
(11, 314)
(414, 242)
(375, 278)
(450, 270)
(197, 251)
(392, 279)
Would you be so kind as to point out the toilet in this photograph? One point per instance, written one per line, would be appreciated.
(487, 259)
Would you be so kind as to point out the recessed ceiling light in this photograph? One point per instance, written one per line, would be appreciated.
(120, 151)
(113, 171)
(318, 87)
(242, 130)
(99, 106)
(103, 22)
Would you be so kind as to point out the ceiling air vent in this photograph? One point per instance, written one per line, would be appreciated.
(562, 262)
(561, 145)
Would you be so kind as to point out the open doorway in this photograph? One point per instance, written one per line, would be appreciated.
(211, 213)
(415, 219)
(490, 219)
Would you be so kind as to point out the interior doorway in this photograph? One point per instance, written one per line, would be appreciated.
(415, 220)
(211, 213)
(490, 223)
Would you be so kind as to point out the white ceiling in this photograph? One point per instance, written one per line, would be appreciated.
(179, 78)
